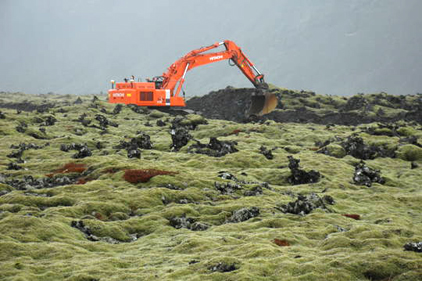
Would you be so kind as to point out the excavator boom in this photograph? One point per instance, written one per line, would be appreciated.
(164, 90)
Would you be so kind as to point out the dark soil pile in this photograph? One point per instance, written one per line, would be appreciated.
(227, 104)
(233, 105)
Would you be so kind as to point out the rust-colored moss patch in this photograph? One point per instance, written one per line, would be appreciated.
(83, 180)
(144, 175)
(111, 170)
(281, 243)
(69, 168)
(352, 216)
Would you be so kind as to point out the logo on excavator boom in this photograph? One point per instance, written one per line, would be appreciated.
(216, 57)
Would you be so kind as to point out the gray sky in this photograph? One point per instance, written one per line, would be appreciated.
(329, 46)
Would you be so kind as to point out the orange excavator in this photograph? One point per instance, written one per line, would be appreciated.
(164, 90)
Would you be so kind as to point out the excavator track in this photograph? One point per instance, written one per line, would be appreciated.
(174, 110)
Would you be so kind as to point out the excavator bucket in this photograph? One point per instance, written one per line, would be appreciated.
(262, 103)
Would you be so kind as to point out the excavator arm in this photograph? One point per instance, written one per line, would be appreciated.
(175, 75)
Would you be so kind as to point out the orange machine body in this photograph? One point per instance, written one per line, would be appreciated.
(144, 94)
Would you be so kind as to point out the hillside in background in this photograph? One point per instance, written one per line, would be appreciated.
(96, 191)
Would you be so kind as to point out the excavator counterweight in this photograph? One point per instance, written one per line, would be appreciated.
(164, 90)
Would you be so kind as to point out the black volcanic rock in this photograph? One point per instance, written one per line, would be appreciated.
(299, 176)
(365, 175)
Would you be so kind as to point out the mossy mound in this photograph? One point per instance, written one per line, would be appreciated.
(190, 216)
(410, 152)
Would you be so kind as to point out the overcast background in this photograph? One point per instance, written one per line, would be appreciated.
(328, 46)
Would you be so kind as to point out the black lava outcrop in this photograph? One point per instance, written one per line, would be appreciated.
(82, 120)
(133, 152)
(188, 123)
(227, 188)
(29, 182)
(299, 176)
(86, 230)
(223, 267)
(215, 147)
(306, 204)
(266, 152)
(140, 141)
(83, 150)
(388, 129)
(410, 140)
(20, 148)
(188, 223)
(243, 214)
(355, 103)
(180, 137)
(356, 147)
(160, 123)
(14, 166)
(78, 101)
(26, 146)
(21, 128)
(413, 246)
(117, 109)
(365, 175)
(228, 176)
(254, 191)
(49, 121)
(27, 106)
(104, 122)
